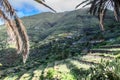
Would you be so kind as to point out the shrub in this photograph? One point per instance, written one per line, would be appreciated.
(57, 75)
(106, 71)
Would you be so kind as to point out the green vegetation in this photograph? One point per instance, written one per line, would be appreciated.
(64, 46)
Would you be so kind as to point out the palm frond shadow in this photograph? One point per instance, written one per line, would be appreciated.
(79, 73)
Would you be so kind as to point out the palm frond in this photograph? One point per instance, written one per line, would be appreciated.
(81, 3)
(15, 26)
(42, 2)
(99, 7)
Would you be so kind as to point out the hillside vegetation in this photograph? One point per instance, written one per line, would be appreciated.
(64, 46)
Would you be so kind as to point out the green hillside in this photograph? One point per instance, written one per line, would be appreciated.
(64, 46)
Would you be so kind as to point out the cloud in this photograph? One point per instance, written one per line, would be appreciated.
(63, 5)
(58, 5)
(21, 4)
(30, 7)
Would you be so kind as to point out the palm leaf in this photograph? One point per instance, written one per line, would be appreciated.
(99, 7)
(81, 3)
(42, 2)
(16, 27)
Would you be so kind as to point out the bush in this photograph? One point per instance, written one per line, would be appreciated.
(56, 75)
(51, 74)
(106, 71)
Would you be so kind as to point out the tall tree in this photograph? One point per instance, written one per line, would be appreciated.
(99, 7)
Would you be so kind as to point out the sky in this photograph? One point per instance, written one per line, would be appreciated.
(30, 7)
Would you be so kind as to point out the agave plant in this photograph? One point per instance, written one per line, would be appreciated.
(100, 6)
(15, 26)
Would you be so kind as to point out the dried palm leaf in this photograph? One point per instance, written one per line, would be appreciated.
(42, 2)
(99, 7)
(16, 27)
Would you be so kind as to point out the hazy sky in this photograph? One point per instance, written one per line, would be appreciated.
(30, 7)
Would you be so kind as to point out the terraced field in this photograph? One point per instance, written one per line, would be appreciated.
(60, 46)
(35, 70)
